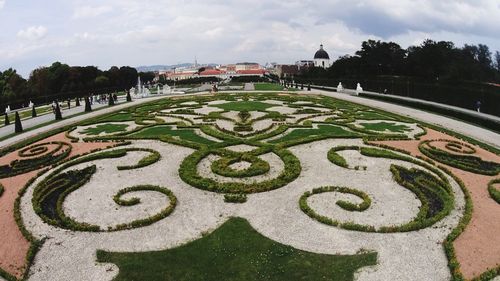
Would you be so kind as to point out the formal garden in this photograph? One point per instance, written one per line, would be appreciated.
(250, 186)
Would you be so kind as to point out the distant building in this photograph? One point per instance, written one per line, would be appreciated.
(247, 66)
(321, 58)
(304, 64)
(286, 70)
(221, 71)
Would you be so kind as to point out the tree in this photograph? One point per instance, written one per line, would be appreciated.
(18, 126)
(497, 60)
(58, 112)
(33, 111)
(77, 101)
(147, 77)
(6, 119)
(129, 98)
(88, 107)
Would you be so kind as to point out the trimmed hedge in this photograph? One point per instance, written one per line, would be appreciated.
(35, 157)
(222, 166)
(464, 162)
(494, 192)
(133, 201)
(235, 198)
(49, 194)
(189, 174)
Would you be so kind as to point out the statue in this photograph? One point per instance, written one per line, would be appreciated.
(340, 88)
(359, 89)
(7, 109)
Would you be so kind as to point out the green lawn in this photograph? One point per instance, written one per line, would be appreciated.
(268, 87)
(235, 251)
(118, 117)
(244, 105)
(370, 115)
(105, 128)
(158, 131)
(382, 126)
(323, 130)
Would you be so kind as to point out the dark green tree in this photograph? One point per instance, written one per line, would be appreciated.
(77, 101)
(33, 111)
(88, 107)
(129, 98)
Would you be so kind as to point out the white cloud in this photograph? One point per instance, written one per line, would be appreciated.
(83, 12)
(32, 33)
(131, 32)
(2, 2)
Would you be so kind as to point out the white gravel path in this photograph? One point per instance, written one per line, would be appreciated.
(207, 109)
(282, 109)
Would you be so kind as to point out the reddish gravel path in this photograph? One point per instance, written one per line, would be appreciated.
(13, 245)
(478, 247)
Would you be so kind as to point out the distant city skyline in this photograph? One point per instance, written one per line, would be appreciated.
(138, 33)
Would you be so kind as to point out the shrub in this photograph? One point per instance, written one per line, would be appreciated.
(493, 191)
(18, 125)
(33, 112)
(235, 198)
(111, 100)
(6, 119)
(58, 114)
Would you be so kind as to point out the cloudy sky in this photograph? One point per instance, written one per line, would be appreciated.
(143, 32)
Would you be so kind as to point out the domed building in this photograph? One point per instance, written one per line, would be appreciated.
(321, 58)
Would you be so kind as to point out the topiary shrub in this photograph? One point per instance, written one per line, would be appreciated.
(129, 97)
(58, 112)
(18, 126)
(111, 101)
(77, 102)
(6, 118)
(33, 111)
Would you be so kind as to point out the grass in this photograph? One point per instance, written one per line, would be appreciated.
(322, 130)
(159, 131)
(268, 87)
(105, 128)
(235, 251)
(244, 105)
(383, 126)
(118, 117)
(370, 115)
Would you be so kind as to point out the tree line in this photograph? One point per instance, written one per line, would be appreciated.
(432, 60)
(435, 70)
(61, 81)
